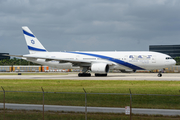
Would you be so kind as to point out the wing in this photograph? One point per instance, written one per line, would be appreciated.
(62, 60)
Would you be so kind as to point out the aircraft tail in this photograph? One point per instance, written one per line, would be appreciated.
(33, 43)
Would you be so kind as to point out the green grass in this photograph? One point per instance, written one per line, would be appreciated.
(36, 115)
(99, 86)
(92, 86)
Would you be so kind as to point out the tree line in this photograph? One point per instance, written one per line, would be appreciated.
(15, 61)
(177, 59)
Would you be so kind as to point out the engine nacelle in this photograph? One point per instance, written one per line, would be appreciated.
(102, 68)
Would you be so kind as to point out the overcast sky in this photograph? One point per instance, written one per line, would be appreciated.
(89, 25)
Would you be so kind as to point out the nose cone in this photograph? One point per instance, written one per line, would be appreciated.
(170, 63)
(173, 62)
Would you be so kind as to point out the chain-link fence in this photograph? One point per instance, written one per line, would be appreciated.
(86, 102)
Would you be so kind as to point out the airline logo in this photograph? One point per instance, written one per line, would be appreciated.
(140, 57)
(32, 41)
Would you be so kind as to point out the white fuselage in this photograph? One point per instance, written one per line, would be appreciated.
(98, 62)
(128, 60)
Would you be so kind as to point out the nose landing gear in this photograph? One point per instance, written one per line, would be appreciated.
(160, 74)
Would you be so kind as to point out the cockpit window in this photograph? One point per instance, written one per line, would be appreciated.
(167, 58)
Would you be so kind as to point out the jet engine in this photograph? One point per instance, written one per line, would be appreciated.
(101, 68)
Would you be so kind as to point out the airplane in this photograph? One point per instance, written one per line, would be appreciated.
(100, 62)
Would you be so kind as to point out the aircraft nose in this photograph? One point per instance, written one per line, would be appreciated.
(173, 62)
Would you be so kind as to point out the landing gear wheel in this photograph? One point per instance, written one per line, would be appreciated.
(84, 74)
(159, 75)
(100, 75)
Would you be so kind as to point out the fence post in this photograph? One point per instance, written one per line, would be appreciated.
(43, 102)
(4, 103)
(85, 104)
(130, 105)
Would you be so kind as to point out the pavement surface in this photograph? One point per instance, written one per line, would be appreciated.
(111, 76)
(167, 112)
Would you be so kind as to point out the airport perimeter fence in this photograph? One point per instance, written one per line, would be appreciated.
(85, 99)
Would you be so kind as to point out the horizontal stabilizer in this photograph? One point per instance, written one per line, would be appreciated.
(13, 55)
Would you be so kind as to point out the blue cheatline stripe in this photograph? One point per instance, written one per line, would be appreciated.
(134, 67)
(29, 34)
(36, 49)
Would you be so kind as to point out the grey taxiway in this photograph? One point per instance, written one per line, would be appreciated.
(167, 112)
(111, 76)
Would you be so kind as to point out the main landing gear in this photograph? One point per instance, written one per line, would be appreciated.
(84, 74)
(100, 75)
